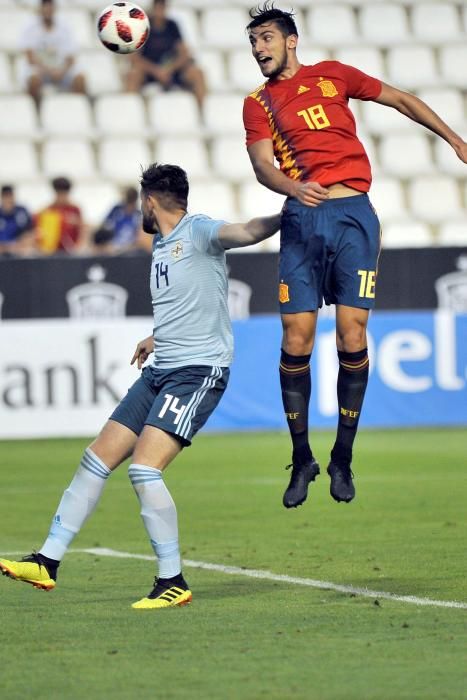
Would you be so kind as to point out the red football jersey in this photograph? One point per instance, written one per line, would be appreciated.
(311, 126)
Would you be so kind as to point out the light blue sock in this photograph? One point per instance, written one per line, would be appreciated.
(159, 516)
(77, 504)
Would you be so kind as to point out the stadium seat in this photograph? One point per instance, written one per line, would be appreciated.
(223, 113)
(435, 22)
(12, 26)
(121, 159)
(18, 160)
(452, 61)
(211, 61)
(101, 72)
(447, 160)
(122, 113)
(387, 196)
(188, 152)
(66, 113)
(81, 26)
(405, 155)
(230, 159)
(412, 67)
(224, 27)
(18, 116)
(331, 25)
(448, 103)
(369, 59)
(214, 198)
(6, 77)
(409, 233)
(257, 200)
(243, 71)
(32, 4)
(435, 199)
(309, 55)
(34, 194)
(96, 198)
(188, 23)
(384, 24)
(94, 6)
(70, 157)
(453, 234)
(379, 119)
(370, 148)
(174, 113)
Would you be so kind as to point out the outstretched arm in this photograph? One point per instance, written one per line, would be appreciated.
(254, 231)
(417, 110)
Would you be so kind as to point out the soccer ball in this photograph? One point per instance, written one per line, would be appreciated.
(123, 27)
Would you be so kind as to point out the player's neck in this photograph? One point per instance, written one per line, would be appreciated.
(290, 70)
(169, 220)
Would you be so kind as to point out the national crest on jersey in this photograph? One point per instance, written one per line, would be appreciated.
(327, 87)
(177, 250)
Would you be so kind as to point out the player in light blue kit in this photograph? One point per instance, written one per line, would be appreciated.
(174, 396)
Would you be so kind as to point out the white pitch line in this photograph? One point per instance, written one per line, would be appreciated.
(295, 580)
(270, 576)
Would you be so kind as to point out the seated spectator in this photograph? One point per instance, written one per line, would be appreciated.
(165, 58)
(50, 53)
(16, 225)
(121, 231)
(60, 226)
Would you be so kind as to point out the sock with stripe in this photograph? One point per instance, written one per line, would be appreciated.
(77, 504)
(159, 515)
(295, 379)
(352, 381)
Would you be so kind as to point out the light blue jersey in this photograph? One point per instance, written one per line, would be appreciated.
(189, 296)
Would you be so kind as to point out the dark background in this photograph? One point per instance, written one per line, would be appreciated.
(36, 288)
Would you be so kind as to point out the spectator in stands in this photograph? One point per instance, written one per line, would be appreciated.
(122, 231)
(166, 59)
(60, 226)
(50, 53)
(124, 220)
(16, 225)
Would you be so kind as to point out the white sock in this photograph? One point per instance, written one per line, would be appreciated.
(159, 516)
(77, 504)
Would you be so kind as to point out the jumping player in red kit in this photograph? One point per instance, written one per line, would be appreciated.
(330, 234)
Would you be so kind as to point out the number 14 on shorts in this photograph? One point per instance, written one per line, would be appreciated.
(171, 404)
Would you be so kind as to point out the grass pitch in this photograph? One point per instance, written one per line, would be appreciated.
(247, 638)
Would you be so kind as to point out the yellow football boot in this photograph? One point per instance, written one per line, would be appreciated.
(30, 569)
(166, 594)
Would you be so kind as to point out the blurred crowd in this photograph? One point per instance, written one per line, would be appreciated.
(50, 53)
(60, 228)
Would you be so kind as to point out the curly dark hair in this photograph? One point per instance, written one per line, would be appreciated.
(261, 14)
(168, 182)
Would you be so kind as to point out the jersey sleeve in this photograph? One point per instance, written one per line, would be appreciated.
(255, 121)
(360, 85)
(205, 235)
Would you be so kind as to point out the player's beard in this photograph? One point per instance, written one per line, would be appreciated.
(150, 223)
(281, 66)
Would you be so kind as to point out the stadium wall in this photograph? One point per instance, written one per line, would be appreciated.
(62, 286)
(63, 377)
